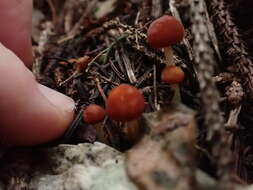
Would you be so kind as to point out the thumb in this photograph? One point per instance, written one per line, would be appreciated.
(30, 113)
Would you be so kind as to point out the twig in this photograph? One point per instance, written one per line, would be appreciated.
(107, 80)
(173, 4)
(128, 66)
(157, 8)
(205, 64)
(72, 128)
(73, 76)
(76, 28)
(143, 78)
(53, 11)
(109, 49)
(95, 58)
(101, 91)
(60, 59)
(117, 72)
(42, 44)
(157, 107)
(69, 9)
(233, 118)
(211, 32)
(137, 18)
(77, 73)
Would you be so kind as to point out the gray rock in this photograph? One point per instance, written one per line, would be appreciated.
(75, 167)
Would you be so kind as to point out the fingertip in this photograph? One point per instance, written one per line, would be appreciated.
(59, 100)
(30, 113)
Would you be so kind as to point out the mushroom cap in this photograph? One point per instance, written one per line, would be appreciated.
(172, 75)
(165, 31)
(93, 114)
(125, 103)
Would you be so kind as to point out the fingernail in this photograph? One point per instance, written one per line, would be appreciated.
(59, 100)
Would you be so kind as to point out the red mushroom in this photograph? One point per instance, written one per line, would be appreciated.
(165, 32)
(172, 75)
(125, 103)
(93, 114)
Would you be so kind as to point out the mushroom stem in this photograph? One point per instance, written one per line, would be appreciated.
(102, 133)
(168, 52)
(177, 96)
(133, 130)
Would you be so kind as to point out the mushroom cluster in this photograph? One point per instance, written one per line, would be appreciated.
(124, 103)
(163, 33)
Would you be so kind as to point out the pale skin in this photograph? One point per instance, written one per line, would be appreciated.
(30, 113)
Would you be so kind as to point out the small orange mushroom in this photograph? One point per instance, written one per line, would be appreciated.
(172, 75)
(125, 103)
(93, 114)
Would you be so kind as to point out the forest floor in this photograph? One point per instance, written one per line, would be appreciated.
(215, 113)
